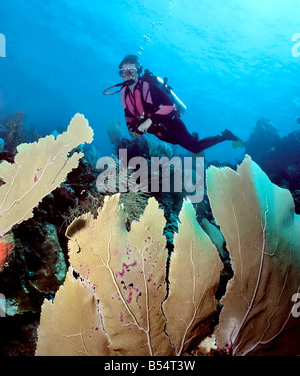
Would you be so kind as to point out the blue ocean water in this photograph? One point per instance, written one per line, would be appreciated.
(230, 62)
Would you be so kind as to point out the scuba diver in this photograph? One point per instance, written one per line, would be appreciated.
(149, 108)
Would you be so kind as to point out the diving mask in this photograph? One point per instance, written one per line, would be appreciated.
(132, 72)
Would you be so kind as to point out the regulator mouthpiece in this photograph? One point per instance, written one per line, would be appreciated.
(122, 84)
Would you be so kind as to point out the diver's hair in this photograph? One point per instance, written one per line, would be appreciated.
(132, 59)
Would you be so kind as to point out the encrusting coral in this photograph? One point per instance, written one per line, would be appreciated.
(6, 247)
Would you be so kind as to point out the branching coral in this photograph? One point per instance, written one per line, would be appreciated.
(160, 149)
(114, 179)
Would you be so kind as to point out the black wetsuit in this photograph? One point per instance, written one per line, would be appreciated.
(149, 101)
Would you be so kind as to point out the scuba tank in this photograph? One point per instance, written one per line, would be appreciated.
(163, 85)
(180, 106)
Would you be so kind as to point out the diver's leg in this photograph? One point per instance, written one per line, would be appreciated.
(181, 136)
(175, 132)
(208, 142)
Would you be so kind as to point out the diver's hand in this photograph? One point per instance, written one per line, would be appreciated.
(134, 134)
(145, 125)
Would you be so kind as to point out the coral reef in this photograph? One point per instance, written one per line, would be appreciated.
(144, 312)
(11, 131)
(126, 272)
(33, 261)
(7, 245)
(35, 270)
(35, 255)
(135, 202)
(115, 132)
(278, 157)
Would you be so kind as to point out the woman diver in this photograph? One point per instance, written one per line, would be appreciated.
(149, 109)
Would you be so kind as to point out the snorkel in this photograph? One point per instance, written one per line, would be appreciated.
(121, 85)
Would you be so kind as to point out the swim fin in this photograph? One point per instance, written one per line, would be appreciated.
(238, 143)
